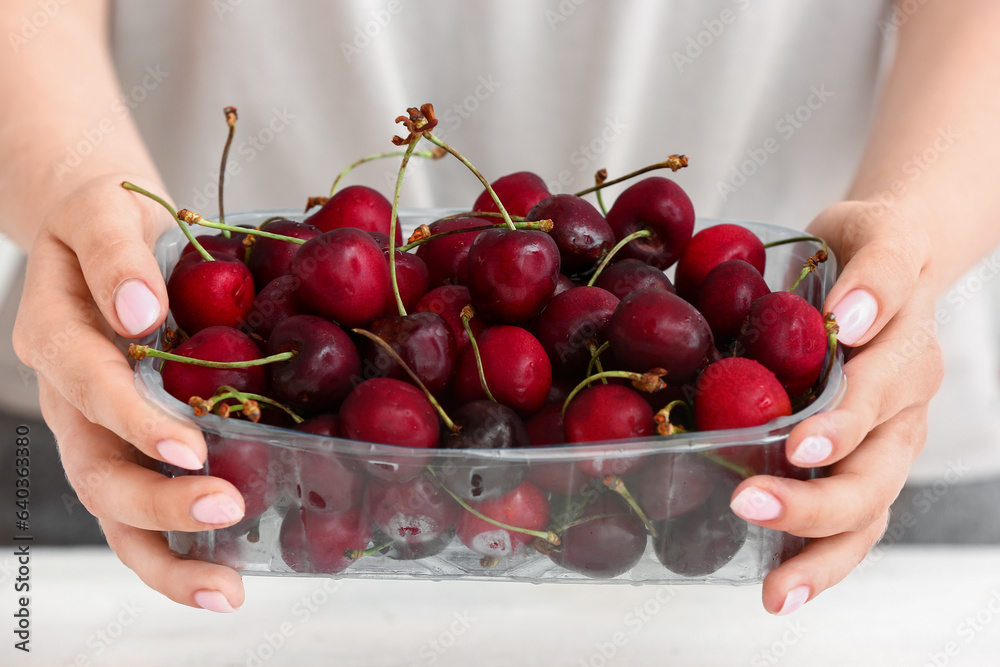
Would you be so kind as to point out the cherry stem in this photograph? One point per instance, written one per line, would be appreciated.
(479, 214)
(231, 122)
(142, 351)
(810, 267)
(434, 154)
(549, 536)
(496, 200)
(832, 329)
(595, 358)
(673, 163)
(393, 222)
(641, 234)
(454, 428)
(648, 382)
(422, 234)
(192, 218)
(173, 213)
(227, 391)
(742, 471)
(797, 239)
(664, 426)
(357, 554)
(467, 314)
(616, 484)
(599, 179)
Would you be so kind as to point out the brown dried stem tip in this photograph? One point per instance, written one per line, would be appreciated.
(419, 234)
(230, 116)
(315, 201)
(251, 410)
(601, 176)
(664, 426)
(201, 406)
(651, 380)
(171, 339)
(190, 217)
(675, 162)
(468, 312)
(419, 121)
(137, 352)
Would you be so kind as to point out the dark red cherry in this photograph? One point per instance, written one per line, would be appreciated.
(313, 541)
(659, 205)
(606, 539)
(272, 258)
(737, 393)
(424, 342)
(713, 246)
(570, 320)
(205, 294)
(579, 230)
(669, 485)
(327, 481)
(726, 294)
(519, 192)
(517, 370)
(525, 507)
(246, 464)
(273, 304)
(217, 244)
(629, 275)
(512, 274)
(413, 514)
(182, 381)
(411, 276)
(485, 425)
(356, 206)
(608, 412)
(448, 302)
(447, 258)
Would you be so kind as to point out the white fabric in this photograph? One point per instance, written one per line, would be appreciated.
(771, 101)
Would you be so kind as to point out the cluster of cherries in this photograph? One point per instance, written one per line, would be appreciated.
(534, 320)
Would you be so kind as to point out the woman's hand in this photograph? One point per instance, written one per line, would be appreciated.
(92, 276)
(884, 306)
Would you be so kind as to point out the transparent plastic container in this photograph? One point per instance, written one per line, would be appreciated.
(409, 508)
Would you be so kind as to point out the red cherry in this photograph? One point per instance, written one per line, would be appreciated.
(313, 541)
(525, 507)
(272, 258)
(448, 302)
(447, 258)
(182, 381)
(518, 192)
(608, 412)
(726, 295)
(659, 205)
(512, 274)
(713, 246)
(356, 206)
(570, 320)
(579, 230)
(204, 294)
(736, 393)
(517, 370)
(629, 275)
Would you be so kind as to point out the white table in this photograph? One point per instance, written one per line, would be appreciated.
(910, 605)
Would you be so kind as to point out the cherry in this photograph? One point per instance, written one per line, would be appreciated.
(660, 206)
(411, 275)
(272, 258)
(652, 328)
(204, 294)
(415, 515)
(217, 245)
(713, 246)
(515, 365)
(726, 294)
(570, 320)
(785, 333)
(321, 373)
(447, 258)
(425, 343)
(313, 541)
(448, 302)
(563, 284)
(669, 485)
(608, 412)
(355, 206)
(629, 275)
(484, 425)
(326, 481)
(246, 464)
(581, 233)
(512, 274)
(607, 539)
(182, 381)
(343, 276)
(392, 412)
(525, 508)
(273, 304)
(736, 393)
(518, 192)
(546, 426)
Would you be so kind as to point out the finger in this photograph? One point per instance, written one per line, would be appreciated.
(820, 565)
(883, 257)
(857, 492)
(903, 366)
(189, 582)
(111, 484)
(57, 334)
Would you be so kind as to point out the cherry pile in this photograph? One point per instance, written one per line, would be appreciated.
(534, 320)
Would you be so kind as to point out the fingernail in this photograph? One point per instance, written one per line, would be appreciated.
(136, 306)
(178, 454)
(855, 315)
(812, 450)
(794, 600)
(214, 601)
(756, 505)
(216, 508)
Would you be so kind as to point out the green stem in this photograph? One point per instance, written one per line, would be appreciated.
(356, 554)
(231, 122)
(468, 314)
(232, 392)
(540, 225)
(496, 200)
(641, 234)
(173, 213)
(832, 329)
(673, 163)
(479, 214)
(810, 267)
(797, 239)
(140, 351)
(738, 469)
(393, 221)
(627, 375)
(192, 218)
(615, 483)
(378, 156)
(595, 357)
(599, 179)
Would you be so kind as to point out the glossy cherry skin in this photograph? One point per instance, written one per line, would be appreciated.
(246, 464)
(217, 244)
(669, 485)
(448, 302)
(629, 275)
(737, 393)
(313, 541)
(570, 320)
(273, 304)
(713, 246)
(579, 230)
(182, 381)
(726, 295)
(411, 276)
(512, 274)
(605, 540)
(659, 205)
(343, 276)
(324, 368)
(656, 329)
(356, 206)
(484, 425)
(525, 507)
(518, 192)
(423, 341)
(517, 370)
(608, 412)
(205, 294)
(447, 258)
(272, 258)
(327, 482)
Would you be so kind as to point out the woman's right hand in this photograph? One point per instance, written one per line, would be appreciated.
(92, 277)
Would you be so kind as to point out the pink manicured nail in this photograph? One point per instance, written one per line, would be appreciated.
(178, 454)
(812, 450)
(855, 315)
(136, 306)
(215, 509)
(214, 601)
(794, 600)
(756, 505)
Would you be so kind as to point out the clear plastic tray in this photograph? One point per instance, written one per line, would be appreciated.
(706, 543)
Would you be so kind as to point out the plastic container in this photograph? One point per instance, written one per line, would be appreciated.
(682, 482)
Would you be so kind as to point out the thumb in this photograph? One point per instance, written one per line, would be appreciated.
(883, 257)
